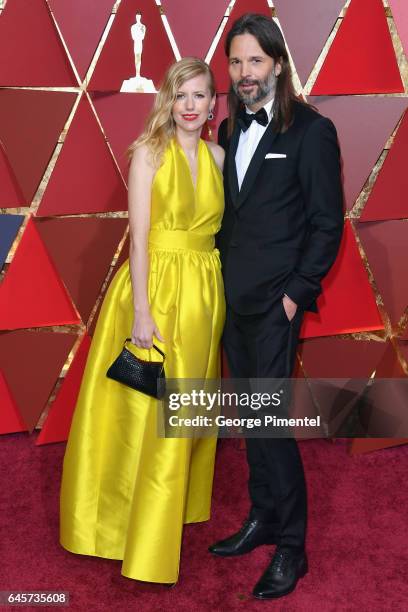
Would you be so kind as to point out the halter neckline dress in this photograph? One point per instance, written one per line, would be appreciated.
(126, 492)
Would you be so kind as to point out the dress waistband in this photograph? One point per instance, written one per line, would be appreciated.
(180, 239)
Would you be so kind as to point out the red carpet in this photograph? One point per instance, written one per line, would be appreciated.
(357, 538)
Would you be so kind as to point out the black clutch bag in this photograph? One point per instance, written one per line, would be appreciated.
(145, 376)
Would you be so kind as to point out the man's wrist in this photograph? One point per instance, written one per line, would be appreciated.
(289, 298)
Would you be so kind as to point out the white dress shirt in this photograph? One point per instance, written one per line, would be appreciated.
(248, 141)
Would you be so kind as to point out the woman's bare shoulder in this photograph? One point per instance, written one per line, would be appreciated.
(218, 153)
(142, 160)
(141, 153)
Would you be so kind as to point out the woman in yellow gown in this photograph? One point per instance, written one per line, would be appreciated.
(126, 492)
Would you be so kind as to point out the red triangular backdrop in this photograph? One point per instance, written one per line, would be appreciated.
(347, 303)
(389, 367)
(353, 64)
(58, 422)
(117, 60)
(85, 178)
(32, 293)
(388, 198)
(123, 255)
(342, 368)
(399, 10)
(181, 14)
(403, 347)
(31, 362)
(364, 124)
(353, 358)
(82, 250)
(40, 117)
(81, 24)
(10, 418)
(307, 26)
(10, 192)
(385, 244)
(122, 116)
(31, 51)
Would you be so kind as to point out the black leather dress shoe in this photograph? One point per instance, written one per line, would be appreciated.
(282, 574)
(253, 533)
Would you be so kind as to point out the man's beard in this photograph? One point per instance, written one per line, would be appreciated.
(265, 88)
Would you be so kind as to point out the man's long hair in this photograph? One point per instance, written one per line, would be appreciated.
(271, 41)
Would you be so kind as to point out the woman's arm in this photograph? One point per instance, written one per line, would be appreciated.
(141, 174)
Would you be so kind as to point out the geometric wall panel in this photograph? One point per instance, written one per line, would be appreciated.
(82, 250)
(399, 9)
(123, 255)
(403, 347)
(31, 50)
(181, 14)
(58, 422)
(307, 26)
(389, 196)
(32, 294)
(9, 226)
(363, 125)
(40, 117)
(219, 63)
(10, 192)
(349, 67)
(117, 60)
(390, 366)
(347, 302)
(385, 245)
(81, 24)
(85, 178)
(10, 417)
(368, 445)
(122, 116)
(341, 358)
(34, 359)
(337, 359)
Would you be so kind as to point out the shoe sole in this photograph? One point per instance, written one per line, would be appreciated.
(238, 554)
(217, 554)
(301, 575)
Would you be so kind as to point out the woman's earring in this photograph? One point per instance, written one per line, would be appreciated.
(210, 116)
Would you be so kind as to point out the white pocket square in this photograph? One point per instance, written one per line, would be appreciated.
(275, 156)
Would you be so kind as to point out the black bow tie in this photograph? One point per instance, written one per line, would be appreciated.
(245, 119)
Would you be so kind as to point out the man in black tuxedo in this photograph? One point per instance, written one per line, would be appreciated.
(280, 235)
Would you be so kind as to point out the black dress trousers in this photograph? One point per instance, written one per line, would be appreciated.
(264, 346)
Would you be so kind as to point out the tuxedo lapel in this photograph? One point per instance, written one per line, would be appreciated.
(256, 162)
(232, 169)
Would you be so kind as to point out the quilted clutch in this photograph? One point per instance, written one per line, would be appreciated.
(145, 376)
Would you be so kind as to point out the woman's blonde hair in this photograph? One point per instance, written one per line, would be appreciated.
(160, 126)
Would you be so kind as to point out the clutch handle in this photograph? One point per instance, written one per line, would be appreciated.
(154, 346)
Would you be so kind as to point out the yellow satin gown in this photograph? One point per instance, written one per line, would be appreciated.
(126, 492)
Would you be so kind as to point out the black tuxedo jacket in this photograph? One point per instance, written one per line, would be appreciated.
(281, 232)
